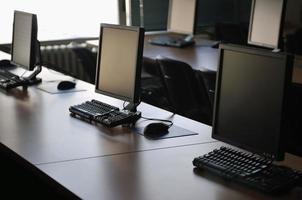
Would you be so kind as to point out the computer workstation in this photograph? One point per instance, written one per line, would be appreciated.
(116, 77)
(120, 78)
(250, 113)
(180, 26)
(25, 52)
(252, 101)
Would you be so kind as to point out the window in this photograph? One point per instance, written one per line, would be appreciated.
(59, 19)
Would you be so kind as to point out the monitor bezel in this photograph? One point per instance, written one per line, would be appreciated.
(279, 45)
(33, 42)
(180, 32)
(136, 96)
(278, 154)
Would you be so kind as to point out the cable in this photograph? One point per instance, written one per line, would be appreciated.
(23, 73)
(124, 105)
(154, 119)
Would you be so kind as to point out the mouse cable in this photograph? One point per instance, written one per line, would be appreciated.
(161, 120)
(154, 119)
(23, 73)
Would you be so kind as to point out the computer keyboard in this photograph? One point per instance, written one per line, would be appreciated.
(9, 80)
(105, 114)
(249, 169)
(171, 41)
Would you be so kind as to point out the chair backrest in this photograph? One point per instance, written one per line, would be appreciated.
(187, 95)
(88, 60)
(151, 67)
(152, 87)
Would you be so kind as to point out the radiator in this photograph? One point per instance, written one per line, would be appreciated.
(74, 60)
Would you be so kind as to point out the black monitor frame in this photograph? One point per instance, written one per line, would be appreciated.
(135, 101)
(278, 153)
(35, 54)
(195, 18)
(33, 43)
(280, 38)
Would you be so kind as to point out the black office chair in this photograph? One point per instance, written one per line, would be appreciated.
(88, 60)
(186, 94)
(208, 78)
(152, 87)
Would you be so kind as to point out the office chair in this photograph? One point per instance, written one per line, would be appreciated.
(208, 78)
(187, 95)
(88, 60)
(152, 87)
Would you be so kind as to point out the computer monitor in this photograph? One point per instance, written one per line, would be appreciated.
(251, 93)
(24, 44)
(182, 16)
(119, 63)
(266, 23)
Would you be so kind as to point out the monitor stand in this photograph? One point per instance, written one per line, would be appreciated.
(131, 107)
(32, 79)
(276, 50)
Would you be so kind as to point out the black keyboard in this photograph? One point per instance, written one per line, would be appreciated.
(249, 169)
(170, 41)
(105, 114)
(9, 80)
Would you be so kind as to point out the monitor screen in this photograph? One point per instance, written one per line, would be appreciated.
(250, 97)
(265, 23)
(24, 40)
(181, 17)
(119, 62)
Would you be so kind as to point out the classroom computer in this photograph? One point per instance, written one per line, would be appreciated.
(249, 113)
(25, 48)
(181, 23)
(266, 23)
(117, 75)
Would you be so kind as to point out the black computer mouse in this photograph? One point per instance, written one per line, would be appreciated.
(66, 85)
(5, 63)
(156, 130)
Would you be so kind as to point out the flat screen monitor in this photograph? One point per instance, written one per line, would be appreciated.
(265, 23)
(119, 62)
(251, 91)
(24, 44)
(182, 15)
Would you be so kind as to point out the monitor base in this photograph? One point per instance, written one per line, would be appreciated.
(34, 81)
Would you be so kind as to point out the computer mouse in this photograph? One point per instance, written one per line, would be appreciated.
(66, 85)
(5, 63)
(156, 130)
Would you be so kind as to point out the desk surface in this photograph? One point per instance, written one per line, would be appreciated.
(37, 126)
(149, 175)
(201, 56)
(95, 162)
